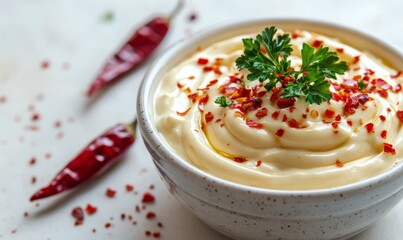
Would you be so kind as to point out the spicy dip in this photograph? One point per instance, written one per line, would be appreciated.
(260, 139)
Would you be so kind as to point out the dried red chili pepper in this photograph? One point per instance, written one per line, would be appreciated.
(96, 158)
(140, 46)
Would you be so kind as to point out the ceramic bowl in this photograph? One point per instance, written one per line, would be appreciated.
(243, 212)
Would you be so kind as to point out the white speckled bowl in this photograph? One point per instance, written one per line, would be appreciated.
(244, 212)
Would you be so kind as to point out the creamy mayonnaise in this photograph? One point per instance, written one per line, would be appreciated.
(330, 146)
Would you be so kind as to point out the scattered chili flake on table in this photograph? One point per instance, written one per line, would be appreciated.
(32, 161)
(26, 214)
(90, 209)
(3, 99)
(147, 233)
(159, 224)
(151, 215)
(45, 64)
(110, 192)
(108, 225)
(35, 117)
(33, 179)
(192, 16)
(156, 234)
(129, 187)
(78, 214)
(258, 163)
(148, 198)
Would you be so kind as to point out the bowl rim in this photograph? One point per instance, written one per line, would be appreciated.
(151, 135)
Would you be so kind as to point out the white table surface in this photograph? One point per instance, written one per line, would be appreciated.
(73, 37)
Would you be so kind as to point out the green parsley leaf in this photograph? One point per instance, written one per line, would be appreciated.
(310, 81)
(361, 85)
(222, 101)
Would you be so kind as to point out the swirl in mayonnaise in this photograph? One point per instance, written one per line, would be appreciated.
(354, 136)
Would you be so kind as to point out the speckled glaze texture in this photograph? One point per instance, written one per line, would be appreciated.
(243, 212)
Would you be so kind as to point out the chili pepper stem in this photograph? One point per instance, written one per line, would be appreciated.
(174, 12)
(131, 127)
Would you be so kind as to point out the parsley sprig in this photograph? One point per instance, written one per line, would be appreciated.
(272, 67)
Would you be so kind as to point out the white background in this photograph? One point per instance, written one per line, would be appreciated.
(73, 33)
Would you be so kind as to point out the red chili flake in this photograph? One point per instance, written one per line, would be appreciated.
(26, 214)
(399, 114)
(293, 123)
(383, 93)
(216, 70)
(239, 114)
(14, 231)
(90, 209)
(212, 82)
(335, 125)
(356, 59)
(35, 117)
(78, 213)
(340, 50)
(317, 43)
(110, 192)
(285, 118)
(207, 69)
(32, 161)
(183, 113)
(261, 113)
(179, 85)
(202, 61)
(275, 115)
(94, 230)
(382, 117)
(78, 223)
(134, 222)
(239, 159)
(44, 64)
(209, 117)
(338, 118)
(280, 132)
(258, 163)
(151, 215)
(339, 163)
(388, 110)
(285, 102)
(363, 98)
(122, 216)
(388, 148)
(151, 187)
(202, 102)
(156, 234)
(58, 124)
(160, 224)
(369, 127)
(147, 233)
(148, 198)
(192, 17)
(329, 113)
(108, 225)
(48, 155)
(191, 77)
(33, 180)
(253, 124)
(384, 133)
(3, 99)
(295, 34)
(129, 187)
